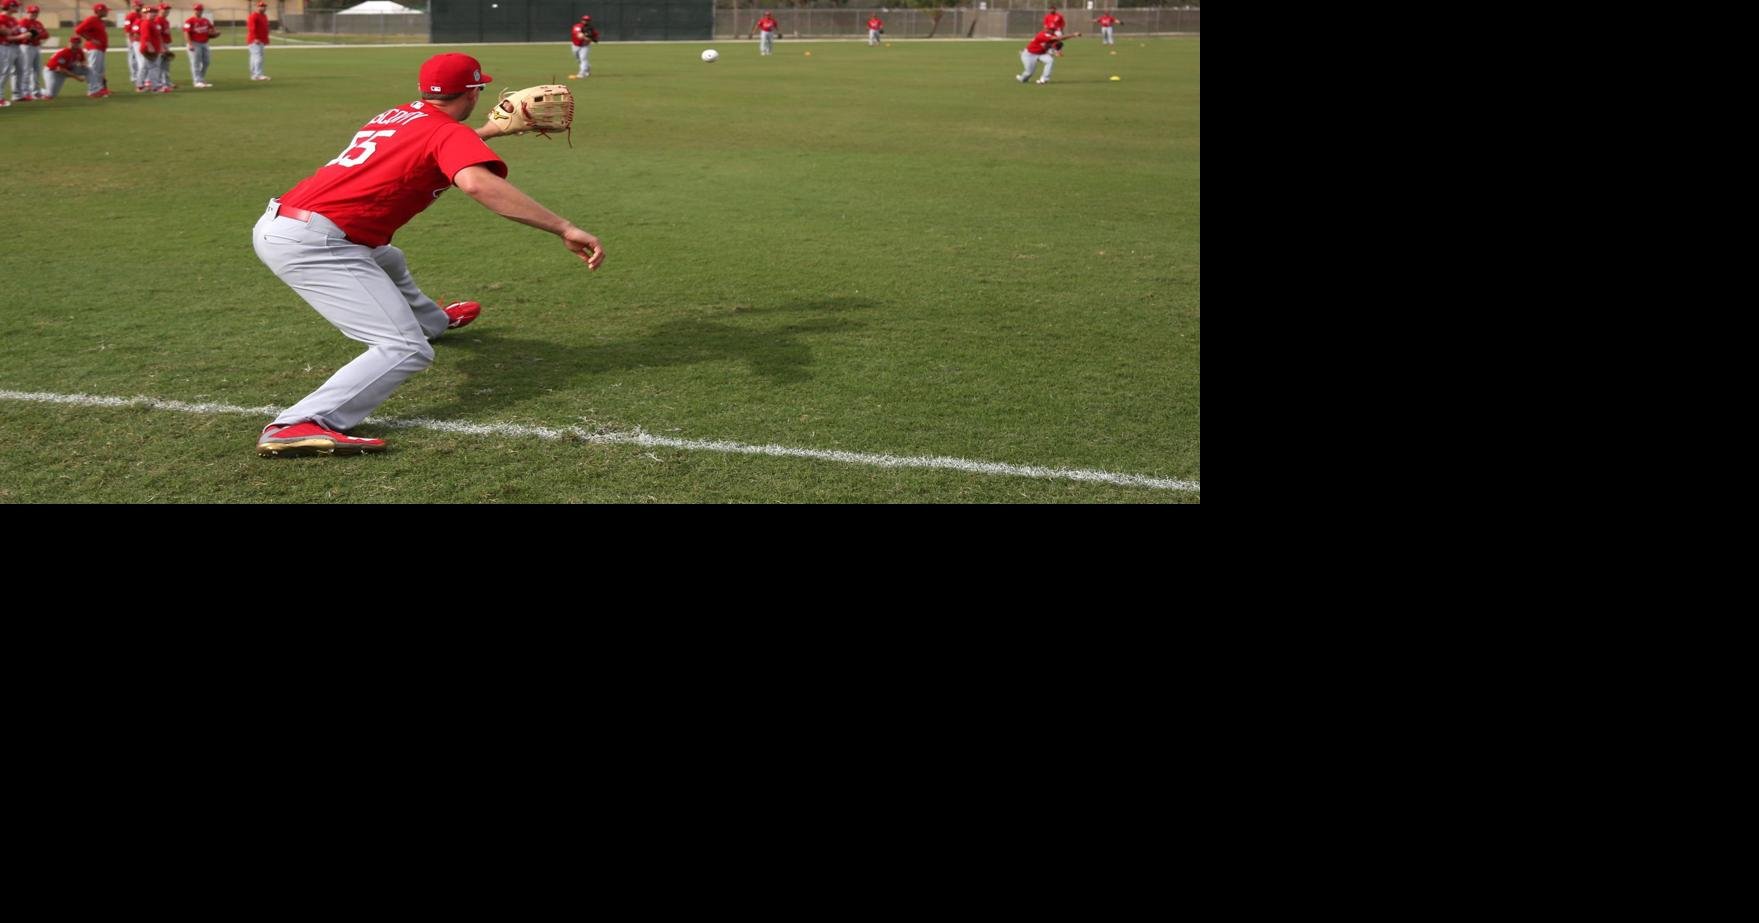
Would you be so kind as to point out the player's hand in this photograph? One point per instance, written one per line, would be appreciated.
(585, 246)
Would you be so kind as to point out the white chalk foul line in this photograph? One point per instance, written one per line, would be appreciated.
(643, 439)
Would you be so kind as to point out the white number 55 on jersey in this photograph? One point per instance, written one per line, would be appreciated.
(363, 142)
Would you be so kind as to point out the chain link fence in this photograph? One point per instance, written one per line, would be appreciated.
(996, 19)
(956, 23)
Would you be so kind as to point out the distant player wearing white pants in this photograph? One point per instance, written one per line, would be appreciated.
(583, 35)
(767, 27)
(256, 36)
(97, 40)
(68, 62)
(1038, 51)
(130, 38)
(329, 239)
(1106, 23)
(197, 31)
(30, 61)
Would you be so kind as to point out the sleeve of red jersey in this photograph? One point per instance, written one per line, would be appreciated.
(458, 147)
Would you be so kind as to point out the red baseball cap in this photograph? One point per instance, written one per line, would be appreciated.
(198, 6)
(100, 8)
(33, 8)
(452, 73)
(586, 18)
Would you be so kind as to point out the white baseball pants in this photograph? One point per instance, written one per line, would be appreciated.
(365, 292)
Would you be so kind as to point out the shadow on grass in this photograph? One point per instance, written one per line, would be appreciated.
(502, 371)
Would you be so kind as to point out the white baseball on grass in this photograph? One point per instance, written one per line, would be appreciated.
(710, 55)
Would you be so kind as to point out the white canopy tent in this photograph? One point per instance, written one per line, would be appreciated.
(376, 8)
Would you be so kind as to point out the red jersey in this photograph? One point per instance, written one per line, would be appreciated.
(876, 23)
(151, 34)
(95, 33)
(198, 30)
(1053, 22)
(256, 29)
(584, 34)
(8, 26)
(1108, 20)
(767, 24)
(397, 165)
(1042, 42)
(66, 59)
(36, 29)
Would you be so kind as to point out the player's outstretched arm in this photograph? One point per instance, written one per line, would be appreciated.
(505, 199)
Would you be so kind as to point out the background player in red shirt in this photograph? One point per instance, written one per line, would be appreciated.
(154, 39)
(130, 26)
(97, 40)
(256, 36)
(329, 238)
(197, 30)
(70, 61)
(1053, 22)
(769, 27)
(876, 27)
(1106, 23)
(10, 34)
(583, 35)
(30, 60)
(1038, 51)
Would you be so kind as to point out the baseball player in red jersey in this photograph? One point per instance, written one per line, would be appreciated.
(10, 34)
(1107, 22)
(97, 40)
(769, 27)
(153, 41)
(197, 30)
(583, 35)
(70, 61)
(1038, 51)
(875, 28)
(1053, 22)
(256, 35)
(329, 238)
(130, 27)
(30, 60)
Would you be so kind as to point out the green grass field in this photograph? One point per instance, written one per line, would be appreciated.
(895, 251)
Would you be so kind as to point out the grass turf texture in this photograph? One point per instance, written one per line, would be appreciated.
(890, 250)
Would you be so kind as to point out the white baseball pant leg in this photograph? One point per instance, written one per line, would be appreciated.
(94, 71)
(134, 64)
(256, 59)
(769, 41)
(873, 36)
(9, 69)
(1028, 59)
(30, 64)
(366, 293)
(198, 62)
(1106, 31)
(580, 55)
